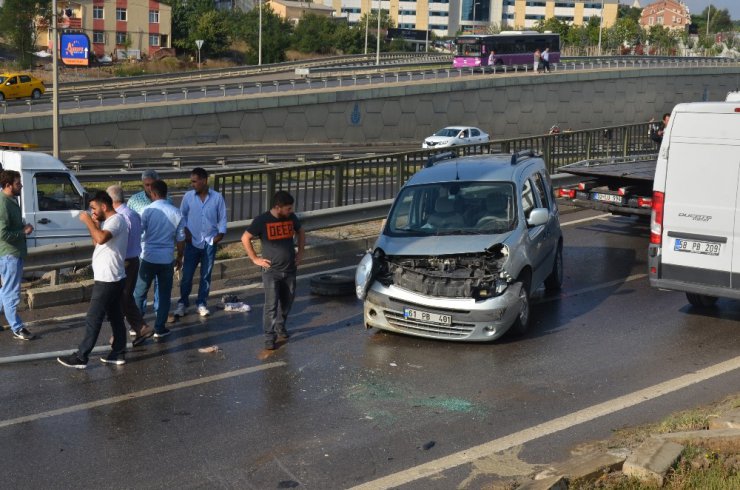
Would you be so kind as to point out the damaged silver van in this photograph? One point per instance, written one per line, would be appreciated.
(465, 243)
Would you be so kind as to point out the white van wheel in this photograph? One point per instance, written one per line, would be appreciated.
(521, 324)
(701, 300)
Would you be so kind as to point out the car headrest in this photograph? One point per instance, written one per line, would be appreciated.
(444, 205)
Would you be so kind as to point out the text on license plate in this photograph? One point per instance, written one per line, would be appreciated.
(426, 316)
(598, 196)
(697, 247)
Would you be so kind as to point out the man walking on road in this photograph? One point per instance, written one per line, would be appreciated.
(131, 311)
(13, 250)
(204, 212)
(163, 228)
(277, 230)
(109, 273)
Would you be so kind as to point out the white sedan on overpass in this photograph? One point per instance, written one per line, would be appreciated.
(455, 136)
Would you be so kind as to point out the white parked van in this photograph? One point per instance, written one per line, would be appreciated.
(51, 199)
(695, 225)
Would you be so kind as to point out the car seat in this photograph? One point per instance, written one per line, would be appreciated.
(497, 211)
(445, 215)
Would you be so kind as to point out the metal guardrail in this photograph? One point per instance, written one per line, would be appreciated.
(333, 184)
(360, 75)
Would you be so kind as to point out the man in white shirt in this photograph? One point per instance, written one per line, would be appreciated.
(109, 232)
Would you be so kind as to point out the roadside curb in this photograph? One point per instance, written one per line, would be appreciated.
(223, 270)
(649, 462)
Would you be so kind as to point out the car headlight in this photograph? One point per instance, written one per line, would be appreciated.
(363, 275)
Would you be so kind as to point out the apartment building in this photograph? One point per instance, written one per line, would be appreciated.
(121, 28)
(448, 17)
(668, 13)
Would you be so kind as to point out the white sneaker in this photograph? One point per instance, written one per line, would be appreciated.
(203, 311)
(132, 332)
(179, 310)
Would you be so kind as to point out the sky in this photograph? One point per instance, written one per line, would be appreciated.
(698, 6)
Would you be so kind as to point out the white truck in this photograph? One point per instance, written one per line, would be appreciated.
(51, 199)
(694, 242)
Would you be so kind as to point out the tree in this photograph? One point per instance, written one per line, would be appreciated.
(314, 34)
(350, 40)
(624, 30)
(627, 12)
(17, 20)
(553, 24)
(214, 29)
(276, 34)
(185, 18)
(719, 20)
(385, 21)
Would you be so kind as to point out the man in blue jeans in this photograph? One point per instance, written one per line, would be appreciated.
(12, 251)
(204, 212)
(277, 230)
(162, 228)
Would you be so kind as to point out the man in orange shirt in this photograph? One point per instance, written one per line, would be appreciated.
(276, 229)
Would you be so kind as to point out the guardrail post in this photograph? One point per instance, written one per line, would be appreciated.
(326, 81)
(292, 84)
(28, 103)
(223, 89)
(626, 141)
(547, 152)
(308, 82)
(338, 186)
(77, 99)
(123, 97)
(241, 87)
(588, 144)
(177, 162)
(185, 92)
(269, 189)
(5, 107)
(397, 77)
(354, 79)
(259, 87)
(143, 93)
(164, 92)
(100, 98)
(369, 79)
(205, 91)
(399, 174)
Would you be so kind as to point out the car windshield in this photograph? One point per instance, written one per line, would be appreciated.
(451, 132)
(453, 208)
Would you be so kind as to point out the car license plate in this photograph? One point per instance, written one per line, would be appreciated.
(599, 196)
(426, 316)
(696, 247)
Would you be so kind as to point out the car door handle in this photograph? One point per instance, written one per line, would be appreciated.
(44, 221)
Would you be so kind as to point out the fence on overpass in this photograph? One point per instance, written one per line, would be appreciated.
(332, 184)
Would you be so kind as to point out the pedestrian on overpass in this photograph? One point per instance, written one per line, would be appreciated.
(277, 230)
(163, 230)
(13, 232)
(204, 212)
(110, 235)
(139, 329)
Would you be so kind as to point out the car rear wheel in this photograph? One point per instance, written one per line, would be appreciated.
(701, 300)
(555, 280)
(36, 94)
(521, 324)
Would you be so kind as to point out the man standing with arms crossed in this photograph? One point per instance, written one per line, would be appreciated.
(131, 311)
(277, 230)
(108, 271)
(13, 234)
(163, 228)
(204, 212)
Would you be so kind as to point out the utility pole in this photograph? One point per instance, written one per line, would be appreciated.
(259, 54)
(55, 88)
(377, 48)
(601, 24)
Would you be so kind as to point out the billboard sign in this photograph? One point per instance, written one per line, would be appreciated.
(75, 49)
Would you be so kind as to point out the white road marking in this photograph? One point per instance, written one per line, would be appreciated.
(589, 289)
(465, 456)
(583, 220)
(140, 394)
(50, 355)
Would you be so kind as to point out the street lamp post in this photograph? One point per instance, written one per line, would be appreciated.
(367, 21)
(259, 41)
(55, 77)
(709, 10)
(601, 24)
(377, 47)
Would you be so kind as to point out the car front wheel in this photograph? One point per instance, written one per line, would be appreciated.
(36, 94)
(521, 324)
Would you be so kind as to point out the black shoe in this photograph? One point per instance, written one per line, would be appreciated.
(270, 346)
(72, 361)
(117, 359)
(284, 335)
(164, 333)
(23, 334)
(146, 332)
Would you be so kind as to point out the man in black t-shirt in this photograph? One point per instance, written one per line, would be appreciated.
(276, 230)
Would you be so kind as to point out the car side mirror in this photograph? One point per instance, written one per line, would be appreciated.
(538, 216)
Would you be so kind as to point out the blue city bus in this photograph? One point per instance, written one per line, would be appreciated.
(507, 48)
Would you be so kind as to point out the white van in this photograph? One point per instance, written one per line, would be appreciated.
(51, 199)
(695, 224)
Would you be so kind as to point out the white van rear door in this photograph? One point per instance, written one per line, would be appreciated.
(701, 197)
